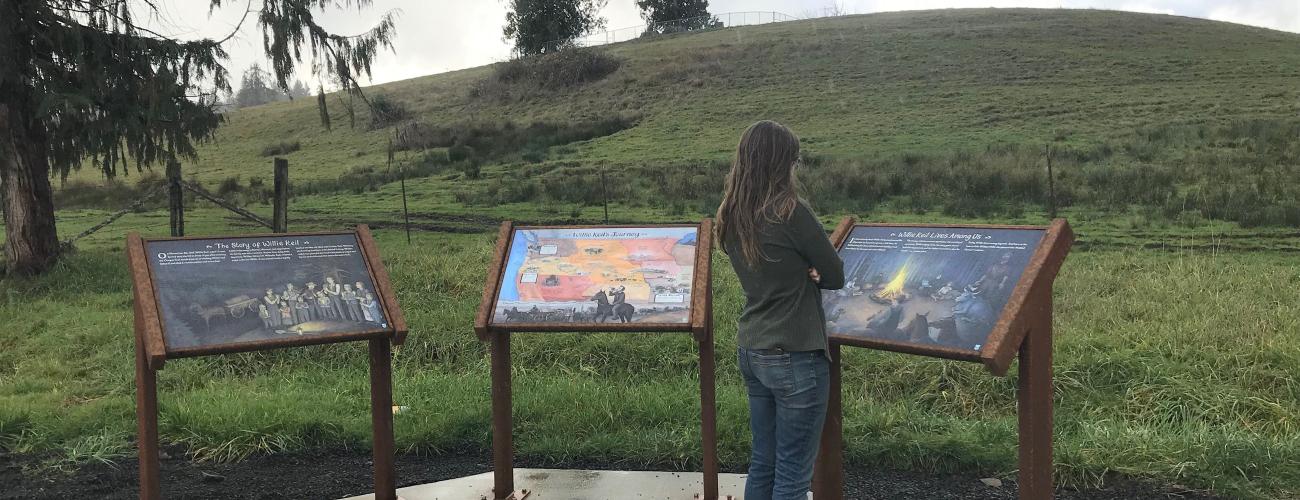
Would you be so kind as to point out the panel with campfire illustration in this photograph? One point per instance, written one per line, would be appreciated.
(927, 285)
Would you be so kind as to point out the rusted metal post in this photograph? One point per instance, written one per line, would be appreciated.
(146, 416)
(175, 198)
(406, 214)
(381, 417)
(709, 418)
(604, 189)
(828, 473)
(1034, 405)
(281, 218)
(503, 470)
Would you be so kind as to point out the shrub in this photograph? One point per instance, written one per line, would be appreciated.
(470, 168)
(559, 70)
(460, 153)
(281, 148)
(228, 186)
(385, 111)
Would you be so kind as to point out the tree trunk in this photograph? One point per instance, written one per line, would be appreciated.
(31, 241)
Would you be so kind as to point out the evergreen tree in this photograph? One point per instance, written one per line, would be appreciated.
(255, 88)
(546, 26)
(299, 91)
(668, 16)
(81, 80)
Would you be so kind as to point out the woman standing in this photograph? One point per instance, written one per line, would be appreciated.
(783, 259)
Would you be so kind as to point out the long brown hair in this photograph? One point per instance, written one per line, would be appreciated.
(760, 189)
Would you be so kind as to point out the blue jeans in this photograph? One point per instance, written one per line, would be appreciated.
(787, 407)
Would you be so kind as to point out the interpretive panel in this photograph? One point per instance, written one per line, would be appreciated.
(226, 292)
(927, 286)
(597, 275)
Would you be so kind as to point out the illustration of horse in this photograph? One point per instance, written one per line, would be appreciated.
(603, 307)
(207, 313)
(514, 314)
(946, 331)
(624, 312)
(918, 331)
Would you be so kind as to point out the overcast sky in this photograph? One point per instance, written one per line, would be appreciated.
(434, 36)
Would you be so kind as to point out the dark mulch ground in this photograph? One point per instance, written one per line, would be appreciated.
(334, 473)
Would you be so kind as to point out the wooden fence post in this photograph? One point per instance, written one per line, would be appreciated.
(281, 218)
(175, 198)
(1051, 183)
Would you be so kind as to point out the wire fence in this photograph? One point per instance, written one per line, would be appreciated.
(701, 23)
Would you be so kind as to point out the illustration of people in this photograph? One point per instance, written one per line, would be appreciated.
(972, 315)
(286, 314)
(309, 296)
(998, 276)
(272, 302)
(290, 293)
(945, 292)
(302, 310)
(324, 308)
(360, 288)
(928, 285)
(370, 308)
(834, 316)
(877, 281)
(334, 292)
(848, 288)
(620, 295)
(350, 300)
(265, 315)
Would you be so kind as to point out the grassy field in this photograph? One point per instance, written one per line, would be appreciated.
(1177, 365)
(1178, 316)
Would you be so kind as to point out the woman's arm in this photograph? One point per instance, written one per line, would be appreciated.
(811, 241)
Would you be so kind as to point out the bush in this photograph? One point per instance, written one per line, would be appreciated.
(229, 186)
(470, 168)
(560, 70)
(460, 153)
(281, 148)
(385, 111)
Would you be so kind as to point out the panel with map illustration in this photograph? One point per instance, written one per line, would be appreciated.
(600, 275)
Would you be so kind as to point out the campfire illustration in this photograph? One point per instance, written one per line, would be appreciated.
(893, 289)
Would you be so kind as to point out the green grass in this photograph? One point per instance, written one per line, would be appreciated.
(1174, 365)
(1178, 342)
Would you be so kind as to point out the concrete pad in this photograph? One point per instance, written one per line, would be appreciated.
(561, 484)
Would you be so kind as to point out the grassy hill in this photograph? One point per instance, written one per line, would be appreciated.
(1141, 109)
(1175, 140)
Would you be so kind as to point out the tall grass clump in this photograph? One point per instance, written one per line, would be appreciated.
(386, 110)
(532, 75)
(281, 148)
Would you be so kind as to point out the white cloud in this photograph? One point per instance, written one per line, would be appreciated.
(1145, 7)
(1276, 15)
(435, 36)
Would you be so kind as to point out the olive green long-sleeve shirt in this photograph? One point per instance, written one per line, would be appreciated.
(783, 306)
